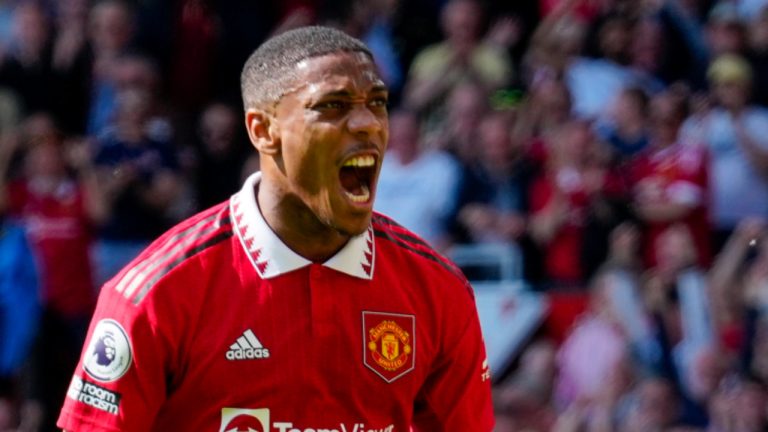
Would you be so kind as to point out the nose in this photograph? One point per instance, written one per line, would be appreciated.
(363, 121)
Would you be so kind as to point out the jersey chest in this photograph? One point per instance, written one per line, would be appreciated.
(315, 347)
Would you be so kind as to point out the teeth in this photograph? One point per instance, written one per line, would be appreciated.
(360, 161)
(363, 197)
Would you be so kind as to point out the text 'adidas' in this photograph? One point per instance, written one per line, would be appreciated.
(247, 347)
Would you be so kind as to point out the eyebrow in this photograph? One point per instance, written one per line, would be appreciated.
(347, 93)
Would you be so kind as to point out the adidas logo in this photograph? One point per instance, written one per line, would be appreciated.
(247, 347)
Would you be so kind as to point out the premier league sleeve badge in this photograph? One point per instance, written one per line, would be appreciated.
(109, 354)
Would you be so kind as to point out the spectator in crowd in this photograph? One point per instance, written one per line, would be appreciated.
(523, 402)
(574, 180)
(736, 135)
(111, 30)
(669, 179)
(758, 55)
(71, 62)
(546, 107)
(25, 68)
(594, 367)
(418, 186)
(726, 31)
(461, 56)
(646, 54)
(372, 22)
(652, 405)
(557, 40)
(59, 213)
(196, 35)
(139, 72)
(19, 311)
(622, 273)
(221, 155)
(676, 295)
(739, 405)
(466, 106)
(625, 126)
(738, 281)
(595, 82)
(139, 179)
(494, 197)
(19, 303)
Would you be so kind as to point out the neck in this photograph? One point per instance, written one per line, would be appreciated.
(296, 225)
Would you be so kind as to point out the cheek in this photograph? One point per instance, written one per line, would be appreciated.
(313, 166)
(385, 132)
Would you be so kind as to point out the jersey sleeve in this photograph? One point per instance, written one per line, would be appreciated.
(457, 393)
(121, 378)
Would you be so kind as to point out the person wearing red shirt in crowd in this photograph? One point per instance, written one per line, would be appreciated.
(293, 306)
(670, 180)
(574, 182)
(58, 212)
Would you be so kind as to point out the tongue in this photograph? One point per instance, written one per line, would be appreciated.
(350, 182)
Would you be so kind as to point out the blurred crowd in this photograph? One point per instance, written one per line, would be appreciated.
(619, 146)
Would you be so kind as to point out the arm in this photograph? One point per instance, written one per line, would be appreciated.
(726, 266)
(657, 201)
(756, 154)
(545, 224)
(662, 212)
(130, 396)
(95, 199)
(457, 392)
(422, 88)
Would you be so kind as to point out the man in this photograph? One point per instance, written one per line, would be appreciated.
(418, 186)
(735, 135)
(292, 307)
(461, 57)
(670, 180)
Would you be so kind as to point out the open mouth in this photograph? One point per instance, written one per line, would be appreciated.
(356, 176)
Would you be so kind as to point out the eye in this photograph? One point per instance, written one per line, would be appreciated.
(330, 105)
(378, 102)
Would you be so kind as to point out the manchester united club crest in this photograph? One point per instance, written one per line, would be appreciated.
(389, 342)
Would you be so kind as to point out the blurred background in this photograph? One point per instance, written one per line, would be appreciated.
(598, 168)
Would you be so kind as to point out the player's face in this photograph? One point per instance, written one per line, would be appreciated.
(333, 131)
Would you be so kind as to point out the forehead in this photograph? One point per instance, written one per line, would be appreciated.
(343, 71)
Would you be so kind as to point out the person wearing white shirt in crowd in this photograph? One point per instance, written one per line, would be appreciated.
(736, 134)
(417, 187)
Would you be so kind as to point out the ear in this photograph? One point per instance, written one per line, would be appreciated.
(262, 133)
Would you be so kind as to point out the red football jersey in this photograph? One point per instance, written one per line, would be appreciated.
(60, 232)
(562, 262)
(675, 174)
(218, 325)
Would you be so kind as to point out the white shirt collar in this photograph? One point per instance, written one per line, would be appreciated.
(271, 257)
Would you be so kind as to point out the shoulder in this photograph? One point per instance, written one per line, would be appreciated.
(198, 235)
(423, 256)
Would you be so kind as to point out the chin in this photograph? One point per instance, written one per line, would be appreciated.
(353, 226)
